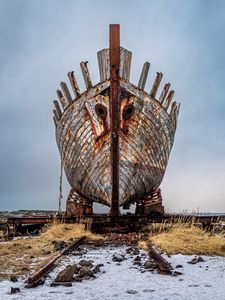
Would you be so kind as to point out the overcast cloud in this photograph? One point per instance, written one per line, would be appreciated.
(42, 40)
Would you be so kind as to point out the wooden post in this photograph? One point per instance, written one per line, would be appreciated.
(114, 58)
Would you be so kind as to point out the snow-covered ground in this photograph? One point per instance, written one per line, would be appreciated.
(205, 280)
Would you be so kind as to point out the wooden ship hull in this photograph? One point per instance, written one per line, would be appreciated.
(102, 150)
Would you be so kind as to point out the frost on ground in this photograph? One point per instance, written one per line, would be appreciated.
(124, 280)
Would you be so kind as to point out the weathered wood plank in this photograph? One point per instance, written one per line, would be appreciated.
(163, 265)
(169, 99)
(86, 75)
(58, 108)
(156, 84)
(74, 84)
(55, 122)
(56, 114)
(144, 75)
(164, 92)
(103, 64)
(125, 64)
(62, 99)
(173, 108)
(66, 92)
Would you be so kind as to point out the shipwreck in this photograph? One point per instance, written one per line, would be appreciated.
(115, 138)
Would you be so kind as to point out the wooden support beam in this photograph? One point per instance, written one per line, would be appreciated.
(62, 99)
(66, 92)
(74, 84)
(56, 114)
(169, 99)
(156, 84)
(86, 75)
(114, 57)
(144, 75)
(58, 108)
(164, 93)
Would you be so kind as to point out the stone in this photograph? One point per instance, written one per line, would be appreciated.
(179, 266)
(129, 250)
(86, 263)
(118, 257)
(196, 260)
(131, 292)
(58, 245)
(13, 278)
(66, 275)
(148, 290)
(67, 284)
(14, 290)
(136, 251)
(137, 258)
(176, 273)
(96, 269)
(147, 264)
(85, 271)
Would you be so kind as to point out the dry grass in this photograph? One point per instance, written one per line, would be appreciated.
(185, 238)
(18, 257)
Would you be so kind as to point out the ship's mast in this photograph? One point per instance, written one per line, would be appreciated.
(114, 57)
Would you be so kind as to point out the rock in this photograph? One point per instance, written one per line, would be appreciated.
(13, 278)
(85, 271)
(131, 292)
(86, 263)
(196, 260)
(148, 290)
(176, 273)
(66, 275)
(137, 263)
(78, 279)
(14, 290)
(118, 257)
(148, 265)
(67, 284)
(58, 245)
(96, 269)
(137, 258)
(179, 266)
(193, 285)
(136, 251)
(129, 250)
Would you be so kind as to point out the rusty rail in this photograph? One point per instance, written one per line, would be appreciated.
(163, 265)
(36, 278)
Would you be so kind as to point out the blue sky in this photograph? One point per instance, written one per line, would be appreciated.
(42, 40)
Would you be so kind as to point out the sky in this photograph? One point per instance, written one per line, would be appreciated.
(40, 41)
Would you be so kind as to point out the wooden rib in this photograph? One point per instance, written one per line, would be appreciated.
(164, 92)
(103, 64)
(173, 108)
(156, 84)
(55, 122)
(144, 75)
(86, 75)
(74, 84)
(125, 64)
(169, 99)
(58, 109)
(66, 92)
(56, 114)
(62, 99)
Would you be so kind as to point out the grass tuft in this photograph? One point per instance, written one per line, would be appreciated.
(186, 238)
(22, 256)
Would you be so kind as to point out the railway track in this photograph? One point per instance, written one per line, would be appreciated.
(39, 276)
